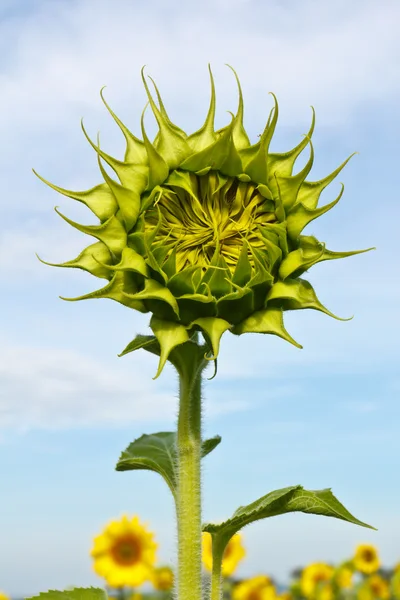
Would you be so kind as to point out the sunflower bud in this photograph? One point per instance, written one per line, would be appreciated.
(204, 230)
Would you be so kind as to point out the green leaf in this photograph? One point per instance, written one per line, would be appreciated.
(73, 594)
(157, 452)
(279, 502)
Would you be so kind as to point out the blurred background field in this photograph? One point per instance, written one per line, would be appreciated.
(124, 557)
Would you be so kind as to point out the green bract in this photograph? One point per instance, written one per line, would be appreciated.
(204, 230)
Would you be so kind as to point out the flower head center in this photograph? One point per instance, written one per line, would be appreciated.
(126, 550)
(206, 214)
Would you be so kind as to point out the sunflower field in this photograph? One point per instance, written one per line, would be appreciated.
(124, 557)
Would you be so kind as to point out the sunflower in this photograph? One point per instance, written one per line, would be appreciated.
(256, 588)
(3, 596)
(163, 578)
(125, 553)
(379, 587)
(343, 577)
(233, 554)
(366, 559)
(204, 231)
(313, 575)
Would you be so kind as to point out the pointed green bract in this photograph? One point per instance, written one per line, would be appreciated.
(204, 231)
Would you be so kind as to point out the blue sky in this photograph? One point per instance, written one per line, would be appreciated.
(324, 416)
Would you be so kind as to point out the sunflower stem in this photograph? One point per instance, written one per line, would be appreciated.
(190, 364)
(216, 576)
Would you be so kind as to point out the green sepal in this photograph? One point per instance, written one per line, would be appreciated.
(127, 173)
(213, 156)
(257, 167)
(242, 273)
(310, 191)
(72, 594)
(115, 290)
(279, 502)
(240, 137)
(205, 136)
(181, 179)
(193, 305)
(98, 199)
(155, 291)
(300, 216)
(111, 232)
(288, 186)
(158, 168)
(145, 342)
(169, 265)
(135, 149)
(94, 259)
(283, 163)
(130, 261)
(128, 199)
(170, 144)
(152, 260)
(164, 112)
(213, 328)
(218, 282)
(309, 253)
(182, 282)
(150, 198)
(169, 335)
(237, 306)
(157, 452)
(269, 320)
(273, 241)
(297, 294)
(232, 164)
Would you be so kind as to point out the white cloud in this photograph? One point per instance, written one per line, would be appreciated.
(52, 388)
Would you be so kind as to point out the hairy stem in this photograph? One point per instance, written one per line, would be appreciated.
(189, 490)
(216, 577)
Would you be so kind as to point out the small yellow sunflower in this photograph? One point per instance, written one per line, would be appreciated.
(125, 553)
(256, 588)
(366, 559)
(379, 587)
(313, 575)
(163, 578)
(3, 596)
(344, 577)
(234, 552)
